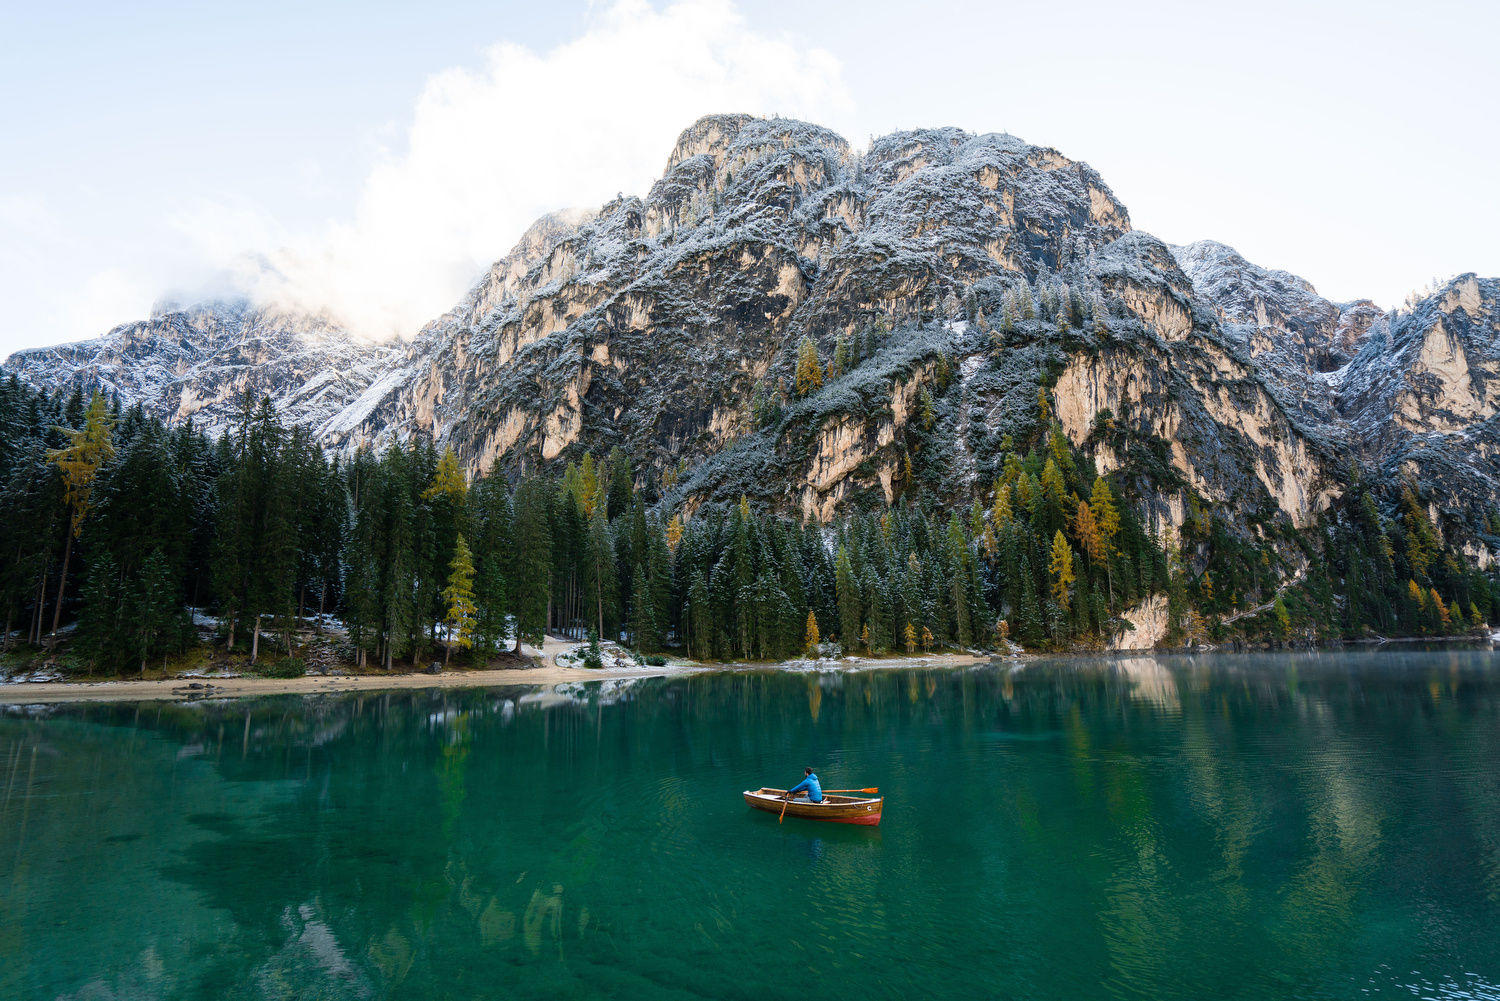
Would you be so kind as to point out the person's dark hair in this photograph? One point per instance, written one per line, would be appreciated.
(807, 771)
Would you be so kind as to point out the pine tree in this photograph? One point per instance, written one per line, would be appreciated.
(600, 582)
(1086, 530)
(156, 609)
(448, 481)
(658, 595)
(809, 368)
(621, 481)
(841, 356)
(1061, 568)
(532, 574)
(1107, 520)
(698, 617)
(88, 449)
(811, 638)
(1281, 617)
(100, 624)
(910, 634)
(458, 596)
(1009, 315)
(642, 625)
(1029, 626)
(849, 602)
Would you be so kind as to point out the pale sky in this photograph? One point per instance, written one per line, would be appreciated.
(372, 158)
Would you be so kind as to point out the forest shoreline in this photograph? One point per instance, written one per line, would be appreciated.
(182, 689)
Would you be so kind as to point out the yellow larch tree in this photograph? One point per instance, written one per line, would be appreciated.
(809, 369)
(88, 449)
(1061, 566)
(458, 596)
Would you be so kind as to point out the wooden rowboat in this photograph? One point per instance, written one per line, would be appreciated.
(834, 809)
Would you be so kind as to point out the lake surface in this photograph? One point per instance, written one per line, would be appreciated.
(1260, 826)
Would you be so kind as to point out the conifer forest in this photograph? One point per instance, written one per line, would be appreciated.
(127, 543)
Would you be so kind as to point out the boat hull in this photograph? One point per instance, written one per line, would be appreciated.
(833, 809)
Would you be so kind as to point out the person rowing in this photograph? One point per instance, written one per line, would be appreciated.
(809, 788)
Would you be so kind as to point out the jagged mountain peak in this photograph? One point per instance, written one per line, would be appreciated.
(1209, 257)
(742, 136)
(1275, 311)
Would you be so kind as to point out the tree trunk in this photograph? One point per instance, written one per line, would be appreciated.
(322, 596)
(62, 583)
(40, 615)
(233, 620)
(255, 641)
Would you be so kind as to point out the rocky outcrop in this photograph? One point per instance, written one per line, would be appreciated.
(1145, 625)
(1421, 394)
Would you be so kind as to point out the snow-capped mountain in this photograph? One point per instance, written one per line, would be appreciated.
(198, 362)
(961, 274)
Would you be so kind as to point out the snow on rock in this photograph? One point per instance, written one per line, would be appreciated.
(653, 321)
(198, 363)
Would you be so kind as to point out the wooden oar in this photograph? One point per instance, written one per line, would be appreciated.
(873, 791)
(783, 810)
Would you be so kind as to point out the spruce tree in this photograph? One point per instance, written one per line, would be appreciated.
(850, 605)
(533, 561)
(156, 610)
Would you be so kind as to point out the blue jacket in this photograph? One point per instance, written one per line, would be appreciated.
(810, 786)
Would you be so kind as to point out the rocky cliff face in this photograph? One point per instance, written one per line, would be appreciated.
(198, 362)
(1421, 393)
(650, 323)
(961, 274)
(1400, 394)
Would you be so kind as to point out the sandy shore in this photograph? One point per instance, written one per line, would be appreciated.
(171, 689)
(197, 688)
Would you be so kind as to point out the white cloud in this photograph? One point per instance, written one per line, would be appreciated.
(491, 148)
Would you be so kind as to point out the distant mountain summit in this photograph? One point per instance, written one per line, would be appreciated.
(952, 284)
(197, 362)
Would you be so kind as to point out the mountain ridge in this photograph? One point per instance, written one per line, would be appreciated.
(979, 270)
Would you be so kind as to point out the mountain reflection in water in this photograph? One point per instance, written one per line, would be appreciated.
(1311, 825)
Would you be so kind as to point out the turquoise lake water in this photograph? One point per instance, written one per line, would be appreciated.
(1260, 826)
